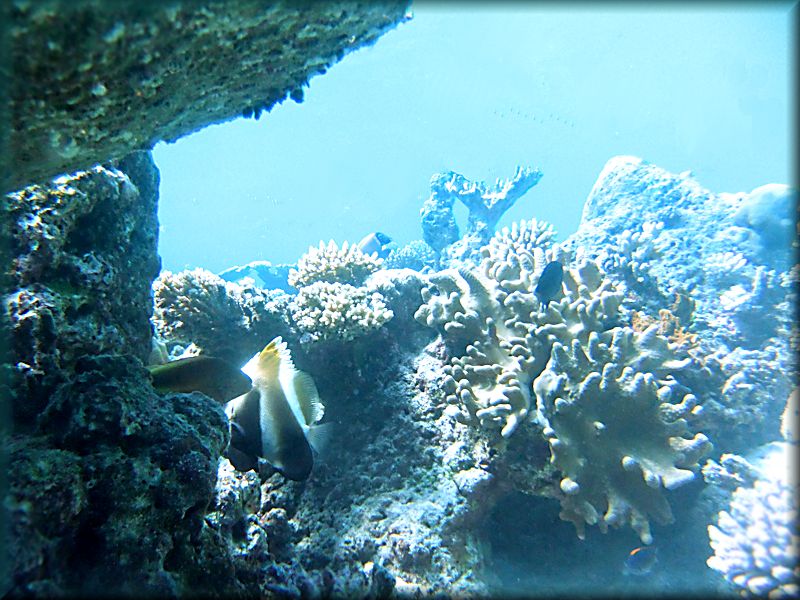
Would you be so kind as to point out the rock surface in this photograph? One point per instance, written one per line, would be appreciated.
(94, 80)
(108, 481)
(711, 259)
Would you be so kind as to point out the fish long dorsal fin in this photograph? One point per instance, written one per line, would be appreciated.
(308, 398)
(268, 363)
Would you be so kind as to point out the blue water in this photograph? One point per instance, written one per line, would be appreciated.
(479, 89)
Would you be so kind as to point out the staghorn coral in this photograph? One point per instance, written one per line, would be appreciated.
(755, 542)
(347, 264)
(486, 206)
(332, 310)
(605, 395)
(224, 319)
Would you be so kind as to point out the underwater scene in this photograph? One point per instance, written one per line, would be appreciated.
(370, 300)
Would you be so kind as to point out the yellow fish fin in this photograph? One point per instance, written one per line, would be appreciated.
(266, 364)
(307, 398)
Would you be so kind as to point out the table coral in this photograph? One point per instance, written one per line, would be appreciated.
(606, 396)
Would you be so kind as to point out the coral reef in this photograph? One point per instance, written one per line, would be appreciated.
(391, 503)
(755, 541)
(769, 211)
(606, 396)
(331, 310)
(330, 263)
(486, 206)
(262, 273)
(687, 239)
(222, 318)
(110, 481)
(661, 237)
(332, 303)
(416, 255)
(94, 81)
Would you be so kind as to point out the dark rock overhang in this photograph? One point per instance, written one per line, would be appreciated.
(93, 80)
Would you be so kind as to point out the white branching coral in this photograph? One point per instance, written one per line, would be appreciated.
(755, 542)
(326, 310)
(347, 264)
(526, 240)
(225, 319)
(605, 395)
(332, 302)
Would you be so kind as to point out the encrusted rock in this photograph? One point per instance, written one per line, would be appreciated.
(93, 81)
(108, 481)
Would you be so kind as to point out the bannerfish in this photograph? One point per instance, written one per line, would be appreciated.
(276, 419)
(376, 243)
(213, 376)
(549, 285)
(640, 560)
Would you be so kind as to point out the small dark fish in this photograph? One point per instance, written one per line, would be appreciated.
(549, 285)
(213, 376)
(640, 560)
(277, 418)
(376, 243)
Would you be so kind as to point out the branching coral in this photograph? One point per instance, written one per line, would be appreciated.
(327, 310)
(330, 263)
(223, 318)
(415, 255)
(755, 542)
(332, 303)
(485, 204)
(606, 395)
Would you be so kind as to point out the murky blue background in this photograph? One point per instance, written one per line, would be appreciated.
(480, 89)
